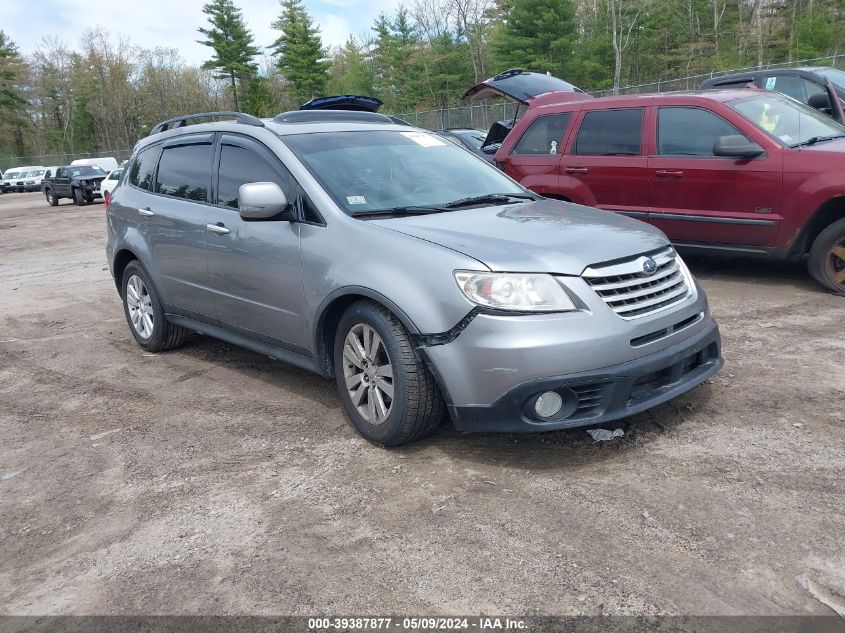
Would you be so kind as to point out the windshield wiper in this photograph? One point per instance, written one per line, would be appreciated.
(817, 139)
(407, 210)
(489, 198)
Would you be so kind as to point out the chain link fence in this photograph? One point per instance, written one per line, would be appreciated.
(480, 116)
(55, 160)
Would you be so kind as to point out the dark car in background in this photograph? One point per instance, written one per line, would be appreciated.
(79, 182)
(469, 139)
(822, 88)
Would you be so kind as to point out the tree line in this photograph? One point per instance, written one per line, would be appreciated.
(103, 93)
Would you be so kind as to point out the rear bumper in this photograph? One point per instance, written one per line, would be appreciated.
(601, 395)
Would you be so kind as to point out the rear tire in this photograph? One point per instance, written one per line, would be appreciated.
(52, 200)
(144, 312)
(78, 200)
(386, 389)
(827, 257)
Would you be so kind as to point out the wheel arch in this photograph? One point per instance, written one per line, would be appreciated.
(121, 261)
(829, 212)
(330, 313)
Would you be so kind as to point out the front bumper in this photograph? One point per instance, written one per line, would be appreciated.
(602, 395)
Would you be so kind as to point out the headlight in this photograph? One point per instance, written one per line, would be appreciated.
(514, 291)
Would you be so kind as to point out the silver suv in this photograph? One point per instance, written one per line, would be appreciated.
(420, 277)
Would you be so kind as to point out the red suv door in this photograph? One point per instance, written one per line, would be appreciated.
(697, 196)
(604, 165)
(535, 158)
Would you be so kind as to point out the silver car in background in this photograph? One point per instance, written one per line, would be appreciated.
(423, 280)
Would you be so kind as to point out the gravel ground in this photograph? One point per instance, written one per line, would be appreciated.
(214, 480)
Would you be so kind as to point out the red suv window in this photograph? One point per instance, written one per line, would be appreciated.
(544, 135)
(610, 133)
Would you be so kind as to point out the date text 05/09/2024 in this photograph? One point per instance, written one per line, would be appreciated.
(480, 623)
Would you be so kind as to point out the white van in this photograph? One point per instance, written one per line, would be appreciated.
(106, 164)
(13, 179)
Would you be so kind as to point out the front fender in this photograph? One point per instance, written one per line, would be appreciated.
(410, 276)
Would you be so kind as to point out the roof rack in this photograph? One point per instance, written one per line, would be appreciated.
(182, 121)
(318, 116)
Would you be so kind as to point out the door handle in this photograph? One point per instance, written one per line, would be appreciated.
(576, 170)
(668, 173)
(218, 228)
(146, 212)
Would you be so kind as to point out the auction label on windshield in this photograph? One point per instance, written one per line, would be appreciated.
(478, 623)
(423, 139)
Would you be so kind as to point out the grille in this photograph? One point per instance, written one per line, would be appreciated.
(630, 292)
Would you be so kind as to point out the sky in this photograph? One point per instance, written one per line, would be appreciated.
(173, 23)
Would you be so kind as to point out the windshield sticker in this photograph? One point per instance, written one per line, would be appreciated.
(356, 199)
(423, 139)
(770, 83)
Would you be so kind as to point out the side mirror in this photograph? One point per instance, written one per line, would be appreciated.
(263, 200)
(736, 146)
(820, 101)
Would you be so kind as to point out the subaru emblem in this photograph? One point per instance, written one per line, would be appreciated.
(649, 266)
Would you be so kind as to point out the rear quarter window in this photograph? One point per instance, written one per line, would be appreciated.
(142, 169)
(543, 136)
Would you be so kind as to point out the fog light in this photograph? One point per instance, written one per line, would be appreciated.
(548, 404)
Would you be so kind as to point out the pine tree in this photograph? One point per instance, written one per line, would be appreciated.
(300, 55)
(10, 66)
(539, 35)
(351, 72)
(232, 44)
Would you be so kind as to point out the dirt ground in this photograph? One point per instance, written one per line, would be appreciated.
(214, 480)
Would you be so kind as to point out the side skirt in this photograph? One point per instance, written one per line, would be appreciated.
(273, 351)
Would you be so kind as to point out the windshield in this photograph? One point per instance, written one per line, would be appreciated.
(11, 174)
(371, 171)
(36, 173)
(833, 75)
(790, 122)
(86, 171)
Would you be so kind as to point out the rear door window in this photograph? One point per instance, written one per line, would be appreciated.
(690, 131)
(610, 133)
(543, 136)
(184, 171)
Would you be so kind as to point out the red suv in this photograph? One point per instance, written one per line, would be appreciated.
(744, 171)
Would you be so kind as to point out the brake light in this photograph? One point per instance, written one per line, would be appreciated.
(107, 198)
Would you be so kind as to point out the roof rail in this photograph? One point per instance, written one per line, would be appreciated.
(323, 116)
(182, 121)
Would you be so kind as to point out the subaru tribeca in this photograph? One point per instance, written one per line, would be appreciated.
(419, 277)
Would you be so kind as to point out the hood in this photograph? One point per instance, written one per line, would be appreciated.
(344, 102)
(519, 85)
(543, 236)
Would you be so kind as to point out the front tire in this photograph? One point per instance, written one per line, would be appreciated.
(78, 199)
(827, 257)
(386, 389)
(52, 200)
(144, 312)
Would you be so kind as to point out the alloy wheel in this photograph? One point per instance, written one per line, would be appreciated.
(835, 263)
(368, 373)
(140, 306)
